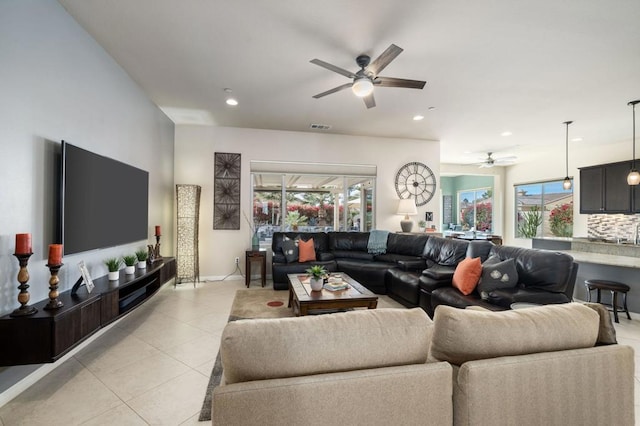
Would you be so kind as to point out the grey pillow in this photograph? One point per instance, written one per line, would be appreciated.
(497, 274)
(290, 249)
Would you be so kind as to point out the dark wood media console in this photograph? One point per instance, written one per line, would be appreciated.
(48, 335)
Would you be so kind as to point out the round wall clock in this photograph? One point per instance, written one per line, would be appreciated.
(416, 180)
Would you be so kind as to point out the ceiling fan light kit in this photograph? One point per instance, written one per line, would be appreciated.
(633, 178)
(566, 184)
(367, 77)
(362, 87)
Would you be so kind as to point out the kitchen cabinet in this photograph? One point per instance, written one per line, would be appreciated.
(604, 189)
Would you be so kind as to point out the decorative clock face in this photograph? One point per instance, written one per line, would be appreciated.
(416, 180)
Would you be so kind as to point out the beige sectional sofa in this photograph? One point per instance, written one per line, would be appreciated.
(533, 366)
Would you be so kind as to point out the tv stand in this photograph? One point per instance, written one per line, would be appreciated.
(49, 334)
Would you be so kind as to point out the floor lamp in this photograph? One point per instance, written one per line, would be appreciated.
(187, 258)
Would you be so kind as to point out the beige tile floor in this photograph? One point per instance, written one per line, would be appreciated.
(152, 366)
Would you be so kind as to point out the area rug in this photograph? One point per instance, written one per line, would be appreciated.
(248, 303)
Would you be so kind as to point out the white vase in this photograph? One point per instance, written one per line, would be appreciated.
(114, 276)
(130, 269)
(316, 283)
(142, 264)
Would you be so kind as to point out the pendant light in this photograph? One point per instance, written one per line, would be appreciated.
(566, 184)
(633, 178)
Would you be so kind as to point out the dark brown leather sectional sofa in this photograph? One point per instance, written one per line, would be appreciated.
(417, 269)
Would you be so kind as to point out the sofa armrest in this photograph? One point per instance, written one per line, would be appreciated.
(412, 265)
(411, 394)
(506, 296)
(440, 273)
(278, 258)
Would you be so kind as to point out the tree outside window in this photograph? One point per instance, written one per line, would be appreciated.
(476, 209)
(543, 209)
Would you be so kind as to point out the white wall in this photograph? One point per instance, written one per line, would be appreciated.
(552, 166)
(57, 83)
(196, 145)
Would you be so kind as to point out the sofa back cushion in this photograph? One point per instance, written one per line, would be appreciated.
(462, 335)
(287, 347)
(445, 251)
(542, 269)
(351, 241)
(406, 244)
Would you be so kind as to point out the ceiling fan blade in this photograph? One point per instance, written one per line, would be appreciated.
(384, 59)
(369, 101)
(333, 68)
(507, 158)
(399, 82)
(334, 90)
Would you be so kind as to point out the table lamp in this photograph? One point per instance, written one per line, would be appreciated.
(407, 206)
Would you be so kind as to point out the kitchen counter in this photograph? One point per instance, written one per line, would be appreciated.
(604, 259)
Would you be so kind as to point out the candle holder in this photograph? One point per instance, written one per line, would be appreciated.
(54, 303)
(23, 296)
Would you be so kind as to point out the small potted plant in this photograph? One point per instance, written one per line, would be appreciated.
(317, 273)
(142, 256)
(113, 265)
(422, 225)
(130, 261)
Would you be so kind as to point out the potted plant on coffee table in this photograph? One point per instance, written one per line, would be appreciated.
(317, 273)
(142, 256)
(130, 261)
(113, 265)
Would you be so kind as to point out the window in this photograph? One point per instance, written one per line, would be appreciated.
(311, 203)
(543, 209)
(475, 207)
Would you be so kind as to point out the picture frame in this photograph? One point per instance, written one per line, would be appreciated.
(86, 277)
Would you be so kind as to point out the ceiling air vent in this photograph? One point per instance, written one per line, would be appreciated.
(319, 126)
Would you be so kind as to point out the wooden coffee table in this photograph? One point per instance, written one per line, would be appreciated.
(304, 301)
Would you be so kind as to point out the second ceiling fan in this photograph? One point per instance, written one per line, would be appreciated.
(367, 77)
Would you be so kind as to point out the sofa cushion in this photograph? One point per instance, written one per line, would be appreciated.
(462, 335)
(290, 250)
(306, 251)
(287, 347)
(406, 244)
(543, 269)
(497, 274)
(466, 276)
(445, 251)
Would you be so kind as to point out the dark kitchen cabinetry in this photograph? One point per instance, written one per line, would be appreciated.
(604, 189)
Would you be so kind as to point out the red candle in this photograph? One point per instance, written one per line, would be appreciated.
(158, 233)
(23, 244)
(55, 254)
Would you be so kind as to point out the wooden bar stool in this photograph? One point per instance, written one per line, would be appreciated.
(615, 288)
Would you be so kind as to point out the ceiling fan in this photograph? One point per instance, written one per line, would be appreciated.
(367, 77)
(490, 161)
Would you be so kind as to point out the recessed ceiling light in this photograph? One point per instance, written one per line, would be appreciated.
(576, 140)
(418, 117)
(232, 102)
(431, 108)
(507, 133)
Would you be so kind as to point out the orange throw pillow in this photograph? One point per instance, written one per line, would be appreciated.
(307, 252)
(467, 274)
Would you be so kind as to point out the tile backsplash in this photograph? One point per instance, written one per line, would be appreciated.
(612, 226)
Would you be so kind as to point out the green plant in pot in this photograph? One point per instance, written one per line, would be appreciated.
(422, 224)
(113, 265)
(317, 273)
(142, 255)
(130, 261)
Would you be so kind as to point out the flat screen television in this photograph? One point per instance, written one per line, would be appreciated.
(103, 202)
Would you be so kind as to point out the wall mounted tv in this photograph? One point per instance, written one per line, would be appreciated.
(103, 202)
